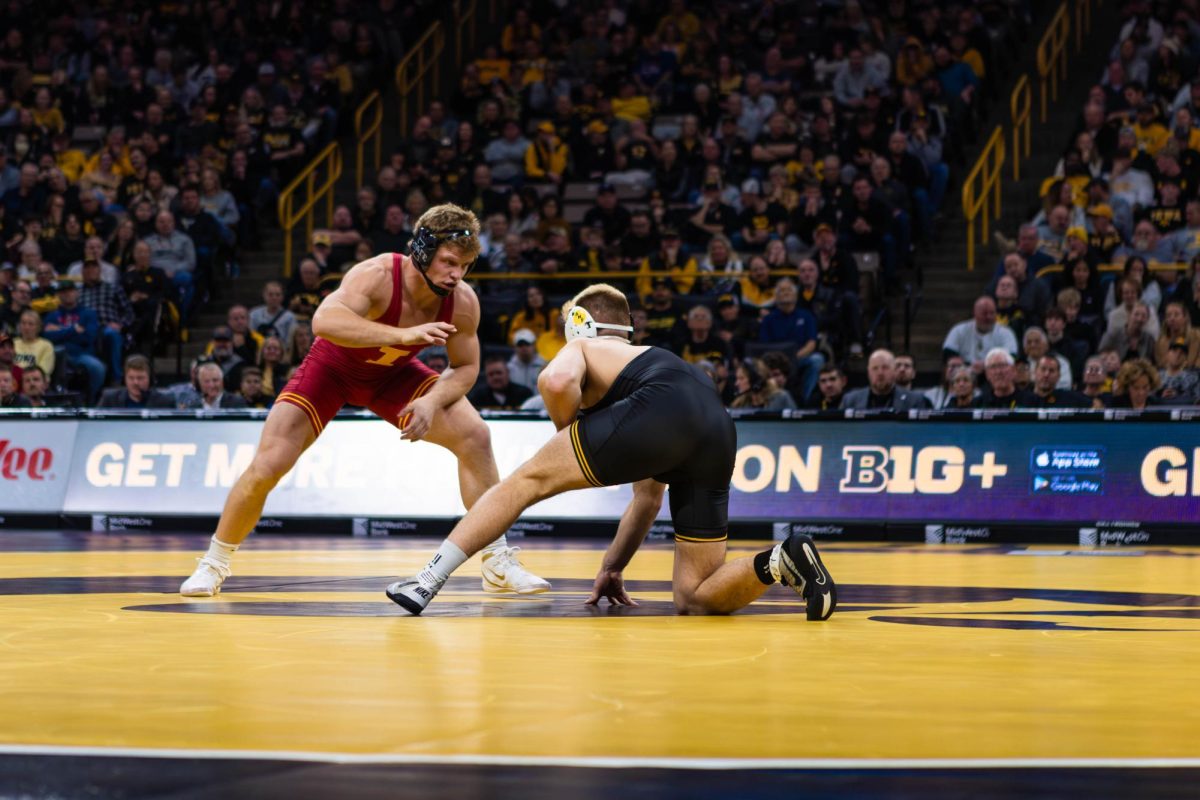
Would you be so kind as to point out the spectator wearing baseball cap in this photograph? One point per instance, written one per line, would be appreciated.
(526, 364)
(1180, 383)
(546, 157)
(671, 258)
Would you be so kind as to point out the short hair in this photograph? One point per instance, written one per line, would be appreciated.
(496, 358)
(449, 217)
(1070, 298)
(32, 368)
(209, 366)
(700, 309)
(138, 363)
(1001, 353)
(775, 360)
(249, 371)
(1056, 313)
(828, 368)
(606, 303)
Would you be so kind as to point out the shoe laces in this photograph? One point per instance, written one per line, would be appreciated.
(506, 557)
(215, 566)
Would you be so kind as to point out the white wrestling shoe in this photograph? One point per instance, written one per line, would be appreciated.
(503, 573)
(206, 580)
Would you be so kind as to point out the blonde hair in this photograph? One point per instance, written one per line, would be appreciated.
(449, 217)
(1131, 371)
(606, 303)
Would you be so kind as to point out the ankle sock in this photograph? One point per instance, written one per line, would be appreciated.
(219, 551)
(447, 559)
(762, 566)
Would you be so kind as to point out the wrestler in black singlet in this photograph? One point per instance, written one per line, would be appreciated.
(662, 418)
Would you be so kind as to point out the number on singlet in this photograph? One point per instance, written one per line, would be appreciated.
(389, 355)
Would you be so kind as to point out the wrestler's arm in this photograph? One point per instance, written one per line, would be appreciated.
(561, 384)
(462, 351)
(342, 317)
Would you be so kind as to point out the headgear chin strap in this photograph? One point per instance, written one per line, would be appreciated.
(425, 245)
(580, 325)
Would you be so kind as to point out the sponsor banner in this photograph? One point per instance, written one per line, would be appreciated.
(35, 464)
(358, 468)
(968, 472)
(838, 479)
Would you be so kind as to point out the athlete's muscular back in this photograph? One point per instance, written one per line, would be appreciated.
(604, 357)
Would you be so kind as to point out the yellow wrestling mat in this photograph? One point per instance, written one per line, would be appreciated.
(954, 652)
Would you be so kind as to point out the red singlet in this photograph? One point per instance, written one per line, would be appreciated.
(383, 379)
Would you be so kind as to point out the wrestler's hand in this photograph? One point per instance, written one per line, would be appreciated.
(416, 419)
(611, 585)
(429, 333)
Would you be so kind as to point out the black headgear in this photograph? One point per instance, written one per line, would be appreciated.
(426, 243)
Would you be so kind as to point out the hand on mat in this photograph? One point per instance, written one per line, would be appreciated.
(611, 585)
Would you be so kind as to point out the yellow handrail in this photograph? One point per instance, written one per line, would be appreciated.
(1021, 104)
(985, 201)
(1083, 22)
(373, 134)
(1052, 54)
(465, 20)
(422, 58)
(289, 215)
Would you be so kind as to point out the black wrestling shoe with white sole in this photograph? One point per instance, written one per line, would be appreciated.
(411, 595)
(800, 567)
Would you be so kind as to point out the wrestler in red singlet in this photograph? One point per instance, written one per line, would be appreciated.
(383, 379)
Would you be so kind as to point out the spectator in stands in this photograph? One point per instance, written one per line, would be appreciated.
(831, 386)
(8, 354)
(1048, 390)
(93, 250)
(546, 157)
(1074, 350)
(1096, 383)
(221, 352)
(306, 291)
(74, 328)
(702, 342)
(756, 390)
(246, 340)
(30, 348)
(394, 237)
(1180, 384)
(146, 287)
(672, 258)
(20, 296)
(1081, 276)
(498, 391)
(1028, 247)
(974, 338)
(1135, 384)
(1148, 244)
(1008, 310)
(1177, 325)
(1001, 391)
(272, 318)
(213, 395)
(113, 311)
(301, 341)
(1129, 291)
(44, 293)
(609, 214)
(273, 365)
(795, 331)
(838, 268)
(712, 216)
(882, 393)
(852, 80)
(34, 385)
(9, 396)
(251, 389)
(175, 254)
(216, 201)
(906, 372)
(1035, 345)
(535, 316)
(962, 393)
(938, 395)
(1131, 340)
(865, 227)
(506, 155)
(761, 219)
(137, 391)
(525, 364)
